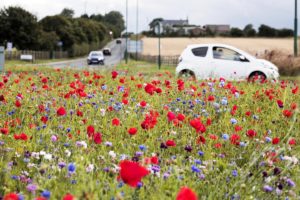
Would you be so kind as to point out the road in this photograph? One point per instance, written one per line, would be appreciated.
(117, 54)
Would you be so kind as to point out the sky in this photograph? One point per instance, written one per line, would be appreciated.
(237, 13)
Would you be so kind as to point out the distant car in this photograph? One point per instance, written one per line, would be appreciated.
(95, 57)
(202, 61)
(106, 51)
(118, 41)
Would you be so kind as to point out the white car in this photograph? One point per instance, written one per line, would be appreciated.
(204, 61)
(95, 57)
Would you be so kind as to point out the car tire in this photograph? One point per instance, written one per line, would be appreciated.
(187, 74)
(257, 77)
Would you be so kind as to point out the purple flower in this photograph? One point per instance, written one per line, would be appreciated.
(268, 188)
(290, 183)
(31, 187)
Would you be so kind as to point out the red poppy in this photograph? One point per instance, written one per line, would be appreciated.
(98, 138)
(44, 80)
(61, 111)
(18, 104)
(154, 160)
(115, 122)
(132, 131)
(292, 141)
(235, 139)
(2, 98)
(170, 143)
(275, 140)
(186, 193)
(68, 197)
(150, 89)
(90, 130)
(11, 196)
(143, 104)
(44, 119)
(171, 116)
(181, 117)
(197, 124)
(114, 74)
(132, 172)
(4, 131)
(287, 113)
(251, 133)
(280, 103)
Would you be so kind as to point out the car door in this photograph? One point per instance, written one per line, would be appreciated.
(200, 62)
(228, 63)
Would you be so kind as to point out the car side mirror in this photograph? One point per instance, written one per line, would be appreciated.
(243, 59)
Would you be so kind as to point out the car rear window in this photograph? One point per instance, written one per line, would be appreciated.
(200, 51)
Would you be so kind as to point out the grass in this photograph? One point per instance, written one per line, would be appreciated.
(212, 163)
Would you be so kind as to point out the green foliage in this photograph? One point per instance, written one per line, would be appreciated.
(236, 32)
(249, 31)
(18, 26)
(78, 35)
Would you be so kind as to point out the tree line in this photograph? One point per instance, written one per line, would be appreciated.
(63, 31)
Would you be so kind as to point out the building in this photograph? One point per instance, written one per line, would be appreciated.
(217, 29)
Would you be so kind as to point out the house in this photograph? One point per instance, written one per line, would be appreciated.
(167, 26)
(216, 28)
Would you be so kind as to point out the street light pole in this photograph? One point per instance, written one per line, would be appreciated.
(137, 30)
(296, 30)
(126, 53)
(159, 58)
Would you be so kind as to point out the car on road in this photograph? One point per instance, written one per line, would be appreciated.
(95, 57)
(118, 41)
(106, 51)
(202, 61)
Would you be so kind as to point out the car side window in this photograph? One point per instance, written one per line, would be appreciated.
(225, 54)
(200, 51)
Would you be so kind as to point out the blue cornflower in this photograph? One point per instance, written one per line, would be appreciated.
(242, 144)
(224, 101)
(71, 167)
(195, 169)
(104, 87)
(268, 139)
(225, 136)
(198, 162)
(46, 194)
(200, 153)
(233, 121)
(142, 147)
(235, 173)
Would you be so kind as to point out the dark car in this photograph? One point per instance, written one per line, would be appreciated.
(119, 41)
(106, 52)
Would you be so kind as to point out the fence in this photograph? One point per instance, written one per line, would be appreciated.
(165, 60)
(37, 55)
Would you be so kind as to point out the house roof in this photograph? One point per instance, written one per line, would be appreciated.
(174, 22)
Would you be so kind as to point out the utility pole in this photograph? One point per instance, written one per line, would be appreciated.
(126, 53)
(296, 30)
(137, 30)
(159, 57)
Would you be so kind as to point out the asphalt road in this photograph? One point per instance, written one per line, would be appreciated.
(117, 54)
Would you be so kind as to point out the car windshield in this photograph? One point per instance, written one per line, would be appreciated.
(96, 54)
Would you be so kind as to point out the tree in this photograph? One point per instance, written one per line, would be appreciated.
(63, 28)
(236, 32)
(249, 31)
(266, 31)
(67, 12)
(285, 32)
(114, 20)
(18, 26)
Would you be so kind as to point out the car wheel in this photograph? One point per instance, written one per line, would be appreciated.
(257, 77)
(187, 74)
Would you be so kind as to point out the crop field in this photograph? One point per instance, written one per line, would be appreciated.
(174, 46)
(138, 133)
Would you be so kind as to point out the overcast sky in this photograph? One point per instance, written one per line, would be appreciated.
(237, 13)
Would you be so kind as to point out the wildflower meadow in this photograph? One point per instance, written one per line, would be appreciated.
(129, 133)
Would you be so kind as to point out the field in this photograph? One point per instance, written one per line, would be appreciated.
(174, 46)
(138, 133)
